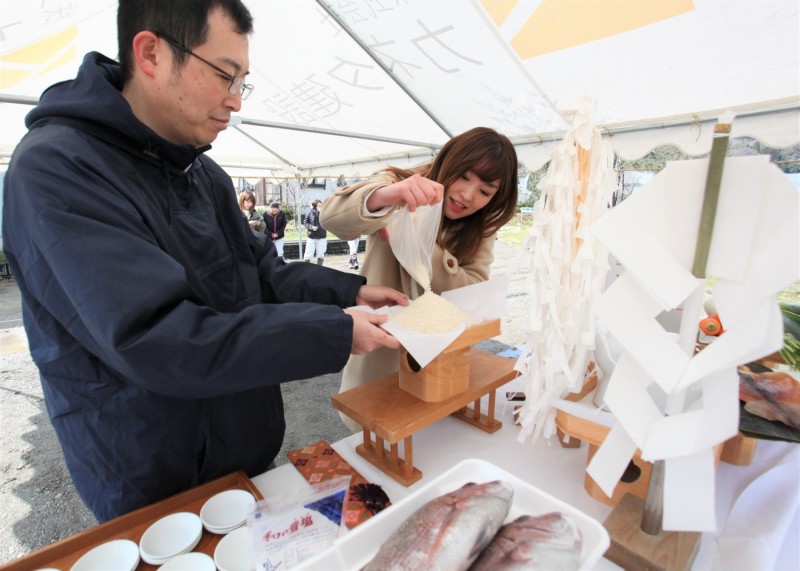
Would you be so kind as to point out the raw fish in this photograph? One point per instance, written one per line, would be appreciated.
(773, 395)
(448, 532)
(550, 542)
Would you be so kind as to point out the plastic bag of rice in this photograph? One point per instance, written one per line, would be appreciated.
(431, 314)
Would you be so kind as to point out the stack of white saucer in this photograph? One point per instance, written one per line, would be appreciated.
(226, 511)
(169, 537)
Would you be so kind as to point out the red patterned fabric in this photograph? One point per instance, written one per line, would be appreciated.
(320, 462)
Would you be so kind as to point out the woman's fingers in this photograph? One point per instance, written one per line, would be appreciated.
(420, 191)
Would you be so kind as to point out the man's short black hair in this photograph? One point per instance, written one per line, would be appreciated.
(185, 21)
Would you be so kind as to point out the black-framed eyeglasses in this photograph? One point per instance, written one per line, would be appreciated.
(237, 85)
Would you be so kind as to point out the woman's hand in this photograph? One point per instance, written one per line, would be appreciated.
(415, 191)
(378, 296)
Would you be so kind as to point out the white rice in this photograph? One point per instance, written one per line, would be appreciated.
(431, 314)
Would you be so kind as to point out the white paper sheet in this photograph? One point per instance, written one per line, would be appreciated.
(689, 493)
(629, 401)
(629, 314)
(482, 301)
(681, 198)
(611, 459)
(715, 420)
(628, 233)
(754, 254)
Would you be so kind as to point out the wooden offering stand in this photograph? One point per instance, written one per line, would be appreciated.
(631, 547)
(394, 407)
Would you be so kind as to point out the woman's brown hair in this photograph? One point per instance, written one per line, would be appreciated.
(490, 156)
(247, 194)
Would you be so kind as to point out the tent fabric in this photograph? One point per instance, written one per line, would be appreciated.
(346, 86)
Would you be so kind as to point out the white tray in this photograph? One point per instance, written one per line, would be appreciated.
(355, 549)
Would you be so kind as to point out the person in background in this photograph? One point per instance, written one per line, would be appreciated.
(151, 309)
(275, 221)
(353, 245)
(317, 241)
(247, 204)
(475, 173)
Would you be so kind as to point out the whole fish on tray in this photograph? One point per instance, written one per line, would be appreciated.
(449, 532)
(550, 541)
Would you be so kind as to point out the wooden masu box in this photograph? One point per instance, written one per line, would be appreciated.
(447, 374)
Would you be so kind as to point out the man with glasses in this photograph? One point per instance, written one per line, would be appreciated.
(151, 309)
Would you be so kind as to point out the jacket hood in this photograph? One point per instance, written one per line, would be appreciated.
(93, 102)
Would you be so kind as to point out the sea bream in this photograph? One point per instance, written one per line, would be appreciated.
(449, 532)
(550, 541)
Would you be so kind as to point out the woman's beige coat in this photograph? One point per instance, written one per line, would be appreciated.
(343, 214)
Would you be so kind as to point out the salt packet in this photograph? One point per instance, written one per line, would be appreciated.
(287, 530)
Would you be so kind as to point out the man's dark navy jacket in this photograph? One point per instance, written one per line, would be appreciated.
(150, 308)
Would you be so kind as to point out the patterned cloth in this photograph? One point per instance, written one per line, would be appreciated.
(320, 462)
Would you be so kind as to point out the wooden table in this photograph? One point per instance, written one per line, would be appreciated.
(384, 409)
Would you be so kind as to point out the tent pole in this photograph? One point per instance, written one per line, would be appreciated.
(266, 148)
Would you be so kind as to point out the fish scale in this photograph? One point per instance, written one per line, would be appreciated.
(448, 532)
(550, 541)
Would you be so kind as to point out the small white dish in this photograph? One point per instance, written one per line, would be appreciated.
(193, 561)
(233, 551)
(223, 530)
(170, 536)
(227, 510)
(119, 554)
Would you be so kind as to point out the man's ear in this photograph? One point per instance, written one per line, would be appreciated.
(148, 52)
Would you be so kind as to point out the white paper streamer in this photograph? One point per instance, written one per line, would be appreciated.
(569, 274)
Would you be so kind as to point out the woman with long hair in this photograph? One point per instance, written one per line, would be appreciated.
(247, 204)
(475, 175)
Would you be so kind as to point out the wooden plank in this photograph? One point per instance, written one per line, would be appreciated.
(64, 554)
(739, 450)
(580, 428)
(402, 471)
(479, 421)
(474, 334)
(408, 452)
(631, 548)
(567, 441)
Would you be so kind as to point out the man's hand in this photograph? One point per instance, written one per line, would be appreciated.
(367, 336)
(378, 296)
(414, 191)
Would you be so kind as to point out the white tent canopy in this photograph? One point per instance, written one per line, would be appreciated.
(346, 86)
